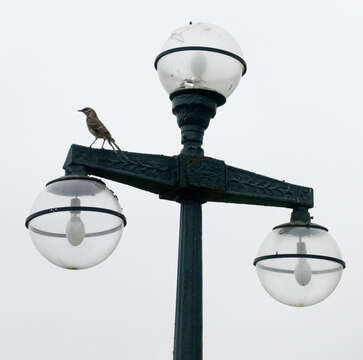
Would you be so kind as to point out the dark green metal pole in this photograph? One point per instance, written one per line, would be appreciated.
(193, 112)
(188, 335)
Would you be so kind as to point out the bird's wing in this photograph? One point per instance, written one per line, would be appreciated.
(98, 126)
(104, 128)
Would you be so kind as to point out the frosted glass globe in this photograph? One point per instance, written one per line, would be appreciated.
(76, 222)
(299, 265)
(200, 56)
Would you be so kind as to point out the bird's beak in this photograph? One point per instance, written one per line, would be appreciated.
(80, 110)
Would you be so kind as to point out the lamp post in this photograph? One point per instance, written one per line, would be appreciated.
(77, 221)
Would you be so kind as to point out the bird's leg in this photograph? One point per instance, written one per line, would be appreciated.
(103, 143)
(93, 142)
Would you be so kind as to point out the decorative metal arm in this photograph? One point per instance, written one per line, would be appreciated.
(187, 176)
(154, 173)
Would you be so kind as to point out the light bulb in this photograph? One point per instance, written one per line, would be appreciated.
(198, 66)
(75, 230)
(302, 269)
(303, 272)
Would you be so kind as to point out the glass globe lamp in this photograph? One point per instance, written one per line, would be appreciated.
(200, 56)
(76, 222)
(299, 265)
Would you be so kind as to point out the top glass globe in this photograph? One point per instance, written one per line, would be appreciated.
(200, 56)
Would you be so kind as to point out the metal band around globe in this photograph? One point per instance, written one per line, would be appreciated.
(286, 271)
(75, 177)
(63, 236)
(291, 224)
(202, 48)
(309, 256)
(74, 208)
(211, 94)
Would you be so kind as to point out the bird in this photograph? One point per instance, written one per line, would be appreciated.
(97, 129)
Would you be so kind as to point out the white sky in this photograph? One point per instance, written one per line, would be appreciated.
(296, 115)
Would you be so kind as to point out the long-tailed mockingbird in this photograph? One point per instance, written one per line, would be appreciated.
(97, 129)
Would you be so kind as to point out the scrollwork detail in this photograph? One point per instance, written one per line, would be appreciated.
(244, 181)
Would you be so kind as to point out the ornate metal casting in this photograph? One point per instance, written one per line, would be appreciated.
(191, 179)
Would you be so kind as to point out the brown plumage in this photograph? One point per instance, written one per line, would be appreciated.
(97, 129)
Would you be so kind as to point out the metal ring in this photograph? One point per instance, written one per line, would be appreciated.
(75, 208)
(291, 224)
(87, 235)
(203, 48)
(216, 96)
(75, 177)
(310, 256)
(286, 271)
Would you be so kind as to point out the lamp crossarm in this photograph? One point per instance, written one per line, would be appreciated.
(153, 173)
(187, 177)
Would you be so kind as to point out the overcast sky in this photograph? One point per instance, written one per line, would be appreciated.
(296, 115)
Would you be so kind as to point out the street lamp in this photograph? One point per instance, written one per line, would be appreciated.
(200, 56)
(77, 222)
(299, 263)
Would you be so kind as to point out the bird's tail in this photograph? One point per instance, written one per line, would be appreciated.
(113, 144)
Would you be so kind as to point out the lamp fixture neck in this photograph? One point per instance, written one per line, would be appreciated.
(193, 109)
